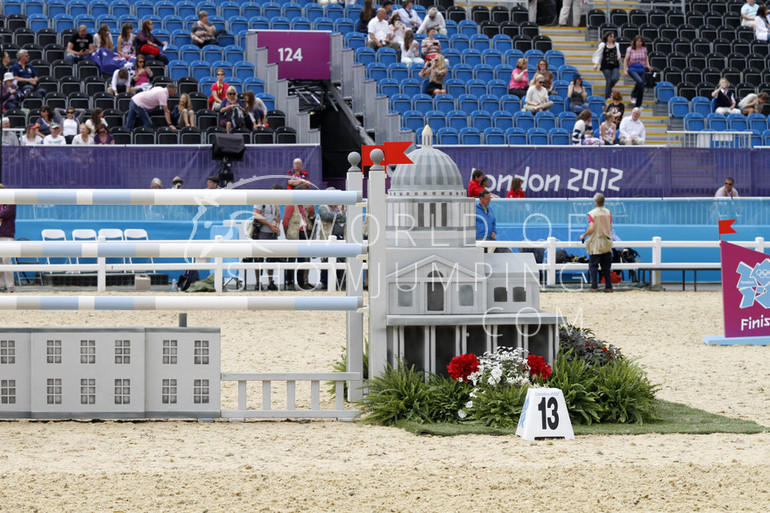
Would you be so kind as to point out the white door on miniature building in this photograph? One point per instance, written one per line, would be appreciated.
(435, 292)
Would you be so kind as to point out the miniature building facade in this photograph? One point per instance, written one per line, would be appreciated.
(109, 372)
(446, 296)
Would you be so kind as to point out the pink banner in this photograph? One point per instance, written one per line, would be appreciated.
(745, 291)
(300, 54)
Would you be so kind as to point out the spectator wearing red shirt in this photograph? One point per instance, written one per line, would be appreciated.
(516, 191)
(474, 186)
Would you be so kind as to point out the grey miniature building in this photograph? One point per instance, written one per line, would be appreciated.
(446, 296)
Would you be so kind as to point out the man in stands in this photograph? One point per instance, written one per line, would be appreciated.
(474, 186)
(748, 13)
(632, 130)
(433, 19)
(142, 103)
(55, 138)
(727, 190)
(297, 175)
(408, 15)
(25, 75)
(9, 138)
(380, 34)
(212, 182)
(599, 244)
(80, 46)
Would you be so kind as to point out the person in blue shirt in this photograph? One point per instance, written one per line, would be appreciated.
(486, 225)
(25, 75)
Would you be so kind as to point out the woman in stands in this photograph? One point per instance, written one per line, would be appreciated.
(636, 65)
(126, 41)
(103, 38)
(725, 99)
(218, 90)
(31, 138)
(519, 79)
(103, 136)
(96, 119)
(608, 129)
(583, 126)
(44, 121)
(516, 190)
(148, 44)
(542, 68)
(84, 137)
(410, 50)
(577, 95)
(397, 28)
(607, 58)
(615, 107)
(183, 114)
(70, 120)
(367, 13)
(431, 47)
(537, 96)
(256, 110)
(436, 69)
(142, 75)
(760, 23)
(232, 111)
(754, 103)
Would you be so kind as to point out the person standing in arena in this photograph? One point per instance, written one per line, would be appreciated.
(599, 244)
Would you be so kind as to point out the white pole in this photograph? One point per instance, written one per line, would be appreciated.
(551, 250)
(178, 302)
(657, 258)
(354, 281)
(101, 272)
(378, 301)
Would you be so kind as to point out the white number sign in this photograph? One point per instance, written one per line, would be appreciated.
(544, 415)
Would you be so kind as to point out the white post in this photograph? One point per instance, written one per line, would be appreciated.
(101, 271)
(760, 244)
(551, 255)
(354, 284)
(657, 259)
(378, 301)
(218, 270)
(331, 274)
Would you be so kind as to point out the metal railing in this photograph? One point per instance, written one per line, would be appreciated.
(709, 139)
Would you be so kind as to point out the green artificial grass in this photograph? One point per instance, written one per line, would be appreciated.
(674, 418)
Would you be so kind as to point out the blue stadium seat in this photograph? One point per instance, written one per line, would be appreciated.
(502, 119)
(757, 122)
(678, 107)
(694, 122)
(412, 120)
(181, 37)
(291, 10)
(545, 120)
(178, 69)
(142, 9)
(414, 71)
(558, 137)
(481, 119)
(376, 71)
(164, 9)
(467, 27)
(31, 7)
(56, 7)
(249, 11)
(201, 69)
(766, 138)
(561, 87)
(462, 72)
(87, 20)
(483, 72)
(189, 53)
(559, 104)
(237, 83)
(457, 119)
(111, 21)
(254, 84)
(480, 42)
(398, 71)
(267, 99)
(314, 11)
(555, 58)
(161, 34)
(756, 138)
(280, 23)
(503, 72)
(471, 57)
(451, 25)
(489, 102)
(532, 57)
(344, 26)
(271, 10)
(511, 57)
(400, 103)
(352, 11)
(460, 42)
(355, 40)
(237, 24)
(37, 22)
(187, 9)
(386, 55)
(455, 87)
(567, 120)
(452, 56)
(510, 103)
(259, 23)
(516, 136)
(229, 10)
(502, 43)
(77, 7)
(129, 18)
(365, 55)
(716, 122)
(61, 22)
(334, 11)
(737, 123)
(467, 103)
(448, 135)
(211, 53)
(494, 135)
(324, 24)
(422, 103)
(596, 105)
(537, 136)
(411, 86)
(300, 23)
(567, 72)
(498, 88)
(388, 87)
(664, 91)
(444, 103)
(435, 119)
(524, 119)
(492, 57)
(233, 53)
(470, 136)
(476, 87)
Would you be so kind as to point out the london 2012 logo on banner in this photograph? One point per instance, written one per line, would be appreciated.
(745, 291)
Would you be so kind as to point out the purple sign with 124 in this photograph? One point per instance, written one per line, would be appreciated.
(301, 55)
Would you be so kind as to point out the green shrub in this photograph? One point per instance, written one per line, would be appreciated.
(341, 365)
(447, 397)
(625, 393)
(585, 346)
(578, 383)
(400, 393)
(499, 406)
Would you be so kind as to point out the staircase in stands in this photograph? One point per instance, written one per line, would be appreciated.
(579, 48)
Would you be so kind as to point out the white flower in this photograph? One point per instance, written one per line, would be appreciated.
(461, 414)
(469, 404)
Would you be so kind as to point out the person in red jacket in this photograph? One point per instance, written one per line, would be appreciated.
(474, 186)
(516, 191)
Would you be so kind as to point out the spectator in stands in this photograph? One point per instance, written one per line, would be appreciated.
(599, 244)
(577, 95)
(576, 5)
(7, 233)
(31, 137)
(9, 138)
(409, 15)
(218, 90)
(379, 31)
(398, 29)
(156, 183)
(212, 182)
(474, 186)
(121, 82)
(232, 111)
(84, 137)
(537, 96)
(148, 44)
(10, 97)
(753, 103)
(615, 106)
(430, 46)
(204, 33)
(608, 129)
(434, 19)
(532, 11)
(516, 191)
(607, 58)
(542, 68)
(388, 6)
(760, 23)
(748, 13)
(25, 75)
(183, 115)
(4, 62)
(103, 136)
(486, 183)
(367, 14)
(96, 119)
(486, 224)
(146, 101)
(519, 79)
(725, 99)
(256, 110)
(632, 130)
(297, 175)
(126, 41)
(70, 121)
(80, 46)
(44, 121)
(142, 75)
(435, 69)
(55, 138)
(636, 65)
(582, 133)
(103, 38)
(410, 50)
(177, 183)
(727, 190)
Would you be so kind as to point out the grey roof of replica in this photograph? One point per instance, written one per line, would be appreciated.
(431, 169)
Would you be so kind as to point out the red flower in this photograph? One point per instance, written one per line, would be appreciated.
(538, 367)
(463, 366)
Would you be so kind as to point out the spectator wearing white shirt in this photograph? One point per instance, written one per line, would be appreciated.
(55, 138)
(748, 13)
(433, 19)
(409, 16)
(70, 121)
(121, 82)
(727, 191)
(380, 33)
(632, 130)
(84, 137)
(9, 138)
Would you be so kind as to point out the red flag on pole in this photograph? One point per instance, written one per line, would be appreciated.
(726, 226)
(394, 153)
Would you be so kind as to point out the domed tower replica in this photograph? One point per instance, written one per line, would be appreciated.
(445, 296)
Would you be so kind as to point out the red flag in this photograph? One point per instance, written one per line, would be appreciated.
(726, 226)
(394, 153)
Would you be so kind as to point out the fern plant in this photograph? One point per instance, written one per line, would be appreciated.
(400, 393)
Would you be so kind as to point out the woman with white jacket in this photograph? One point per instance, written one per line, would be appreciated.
(607, 58)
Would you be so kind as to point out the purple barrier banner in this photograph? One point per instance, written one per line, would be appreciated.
(567, 172)
(745, 295)
(134, 167)
(300, 54)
